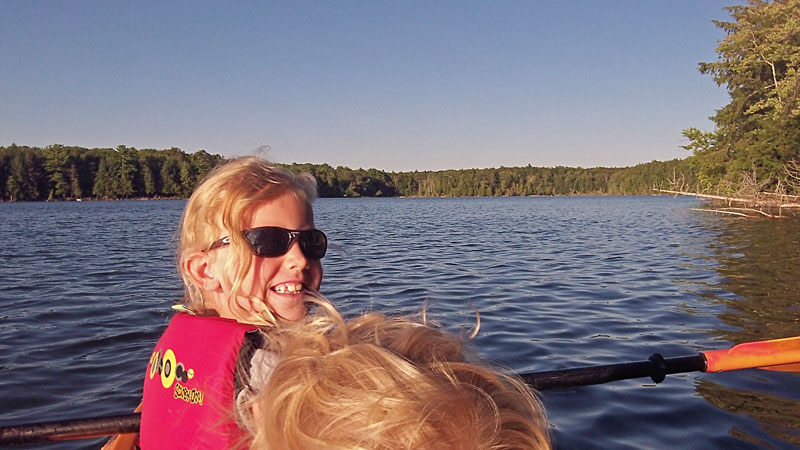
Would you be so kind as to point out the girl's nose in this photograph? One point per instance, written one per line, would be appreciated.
(295, 258)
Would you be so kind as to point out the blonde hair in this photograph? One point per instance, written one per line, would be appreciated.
(386, 383)
(218, 206)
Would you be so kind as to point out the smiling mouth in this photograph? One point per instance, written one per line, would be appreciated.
(288, 288)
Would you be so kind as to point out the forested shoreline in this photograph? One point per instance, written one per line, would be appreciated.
(59, 172)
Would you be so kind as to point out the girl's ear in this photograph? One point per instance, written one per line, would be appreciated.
(199, 269)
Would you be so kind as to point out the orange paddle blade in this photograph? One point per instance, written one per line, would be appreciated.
(764, 354)
(783, 367)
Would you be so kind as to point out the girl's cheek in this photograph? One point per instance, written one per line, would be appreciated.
(260, 275)
(318, 274)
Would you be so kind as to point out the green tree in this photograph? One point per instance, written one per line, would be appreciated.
(116, 174)
(759, 64)
(171, 177)
(150, 165)
(203, 162)
(56, 164)
(26, 180)
(326, 181)
(104, 179)
(126, 171)
(188, 175)
(5, 160)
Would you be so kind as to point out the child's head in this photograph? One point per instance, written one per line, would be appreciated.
(387, 383)
(218, 261)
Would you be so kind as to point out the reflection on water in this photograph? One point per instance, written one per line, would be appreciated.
(777, 416)
(759, 261)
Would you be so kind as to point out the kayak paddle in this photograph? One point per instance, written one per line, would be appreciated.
(776, 354)
(66, 430)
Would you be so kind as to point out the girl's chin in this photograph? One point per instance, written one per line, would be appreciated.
(288, 308)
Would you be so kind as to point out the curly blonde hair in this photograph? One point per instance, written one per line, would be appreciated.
(377, 382)
(219, 205)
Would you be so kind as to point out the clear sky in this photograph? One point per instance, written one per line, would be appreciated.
(400, 85)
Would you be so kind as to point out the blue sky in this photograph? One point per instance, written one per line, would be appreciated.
(405, 85)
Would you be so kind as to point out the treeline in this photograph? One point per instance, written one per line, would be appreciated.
(496, 182)
(58, 172)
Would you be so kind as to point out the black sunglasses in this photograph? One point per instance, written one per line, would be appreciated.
(270, 242)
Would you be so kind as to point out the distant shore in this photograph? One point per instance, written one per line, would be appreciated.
(61, 173)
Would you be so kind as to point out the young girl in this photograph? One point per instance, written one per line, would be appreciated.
(248, 255)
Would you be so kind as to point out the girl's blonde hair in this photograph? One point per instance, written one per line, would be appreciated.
(218, 207)
(390, 383)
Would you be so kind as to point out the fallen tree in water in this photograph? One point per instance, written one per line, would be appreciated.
(750, 207)
(747, 199)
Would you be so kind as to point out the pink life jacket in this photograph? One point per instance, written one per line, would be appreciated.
(189, 387)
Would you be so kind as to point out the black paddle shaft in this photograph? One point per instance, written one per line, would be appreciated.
(657, 367)
(70, 429)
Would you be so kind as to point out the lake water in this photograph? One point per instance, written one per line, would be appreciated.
(86, 289)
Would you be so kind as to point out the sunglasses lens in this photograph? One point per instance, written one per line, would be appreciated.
(268, 242)
(314, 243)
(271, 242)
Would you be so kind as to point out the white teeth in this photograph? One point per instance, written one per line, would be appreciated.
(289, 288)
